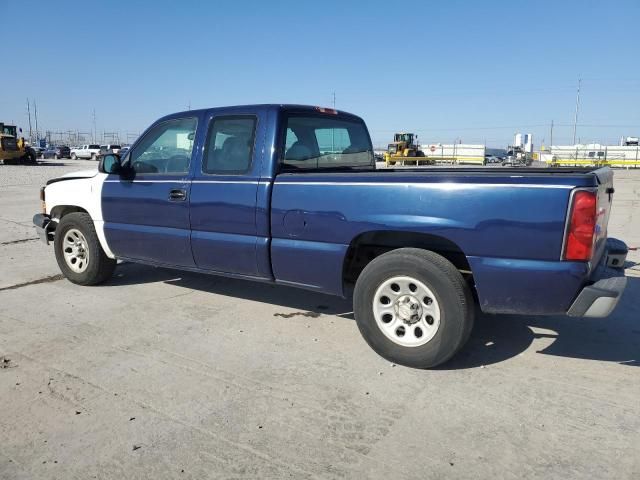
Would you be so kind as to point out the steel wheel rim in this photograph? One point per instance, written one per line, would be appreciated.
(75, 250)
(407, 312)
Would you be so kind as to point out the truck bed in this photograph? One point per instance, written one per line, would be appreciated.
(508, 223)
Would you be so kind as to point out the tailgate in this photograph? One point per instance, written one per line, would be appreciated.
(605, 199)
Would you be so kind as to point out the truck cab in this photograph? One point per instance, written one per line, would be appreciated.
(10, 151)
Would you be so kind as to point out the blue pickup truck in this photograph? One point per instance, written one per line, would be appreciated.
(290, 194)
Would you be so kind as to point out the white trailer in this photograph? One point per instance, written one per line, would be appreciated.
(592, 154)
(454, 153)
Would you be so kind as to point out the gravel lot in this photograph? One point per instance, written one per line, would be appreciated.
(161, 374)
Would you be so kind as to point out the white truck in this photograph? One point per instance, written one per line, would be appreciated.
(109, 148)
(90, 151)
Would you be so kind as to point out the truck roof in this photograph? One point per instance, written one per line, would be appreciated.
(291, 107)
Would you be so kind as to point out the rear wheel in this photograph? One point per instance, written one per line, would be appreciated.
(55, 157)
(73, 156)
(78, 251)
(413, 307)
(93, 156)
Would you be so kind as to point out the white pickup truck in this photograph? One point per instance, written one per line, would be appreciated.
(85, 151)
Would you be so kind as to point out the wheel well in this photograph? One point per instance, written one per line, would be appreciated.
(60, 211)
(369, 245)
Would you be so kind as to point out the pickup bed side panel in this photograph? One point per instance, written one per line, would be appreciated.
(527, 286)
(511, 229)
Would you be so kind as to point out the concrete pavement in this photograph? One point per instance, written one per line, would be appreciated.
(161, 374)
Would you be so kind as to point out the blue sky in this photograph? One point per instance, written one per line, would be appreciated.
(448, 70)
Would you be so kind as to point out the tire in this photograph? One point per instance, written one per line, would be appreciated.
(441, 296)
(73, 156)
(55, 157)
(93, 156)
(97, 267)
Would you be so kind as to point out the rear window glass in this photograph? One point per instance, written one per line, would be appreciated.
(115, 146)
(316, 142)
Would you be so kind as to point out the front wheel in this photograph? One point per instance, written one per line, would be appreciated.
(78, 251)
(73, 156)
(413, 307)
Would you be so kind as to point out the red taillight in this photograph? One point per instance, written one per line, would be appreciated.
(581, 230)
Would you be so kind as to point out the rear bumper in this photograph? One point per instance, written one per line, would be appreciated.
(600, 297)
(44, 227)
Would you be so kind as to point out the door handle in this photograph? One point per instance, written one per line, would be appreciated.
(177, 195)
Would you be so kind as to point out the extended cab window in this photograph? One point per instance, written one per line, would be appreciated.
(229, 145)
(166, 148)
(316, 142)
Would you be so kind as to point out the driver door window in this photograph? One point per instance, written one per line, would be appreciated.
(165, 149)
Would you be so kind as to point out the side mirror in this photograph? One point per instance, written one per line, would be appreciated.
(110, 163)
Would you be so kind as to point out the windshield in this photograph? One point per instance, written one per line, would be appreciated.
(10, 130)
(315, 141)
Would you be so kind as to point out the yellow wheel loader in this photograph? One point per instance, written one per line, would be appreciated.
(403, 148)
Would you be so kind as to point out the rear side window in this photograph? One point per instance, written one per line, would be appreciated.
(316, 142)
(230, 144)
(94, 146)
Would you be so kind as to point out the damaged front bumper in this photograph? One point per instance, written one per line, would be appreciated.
(44, 227)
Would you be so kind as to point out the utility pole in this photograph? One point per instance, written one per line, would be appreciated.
(333, 130)
(29, 113)
(575, 119)
(551, 141)
(94, 125)
(35, 112)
